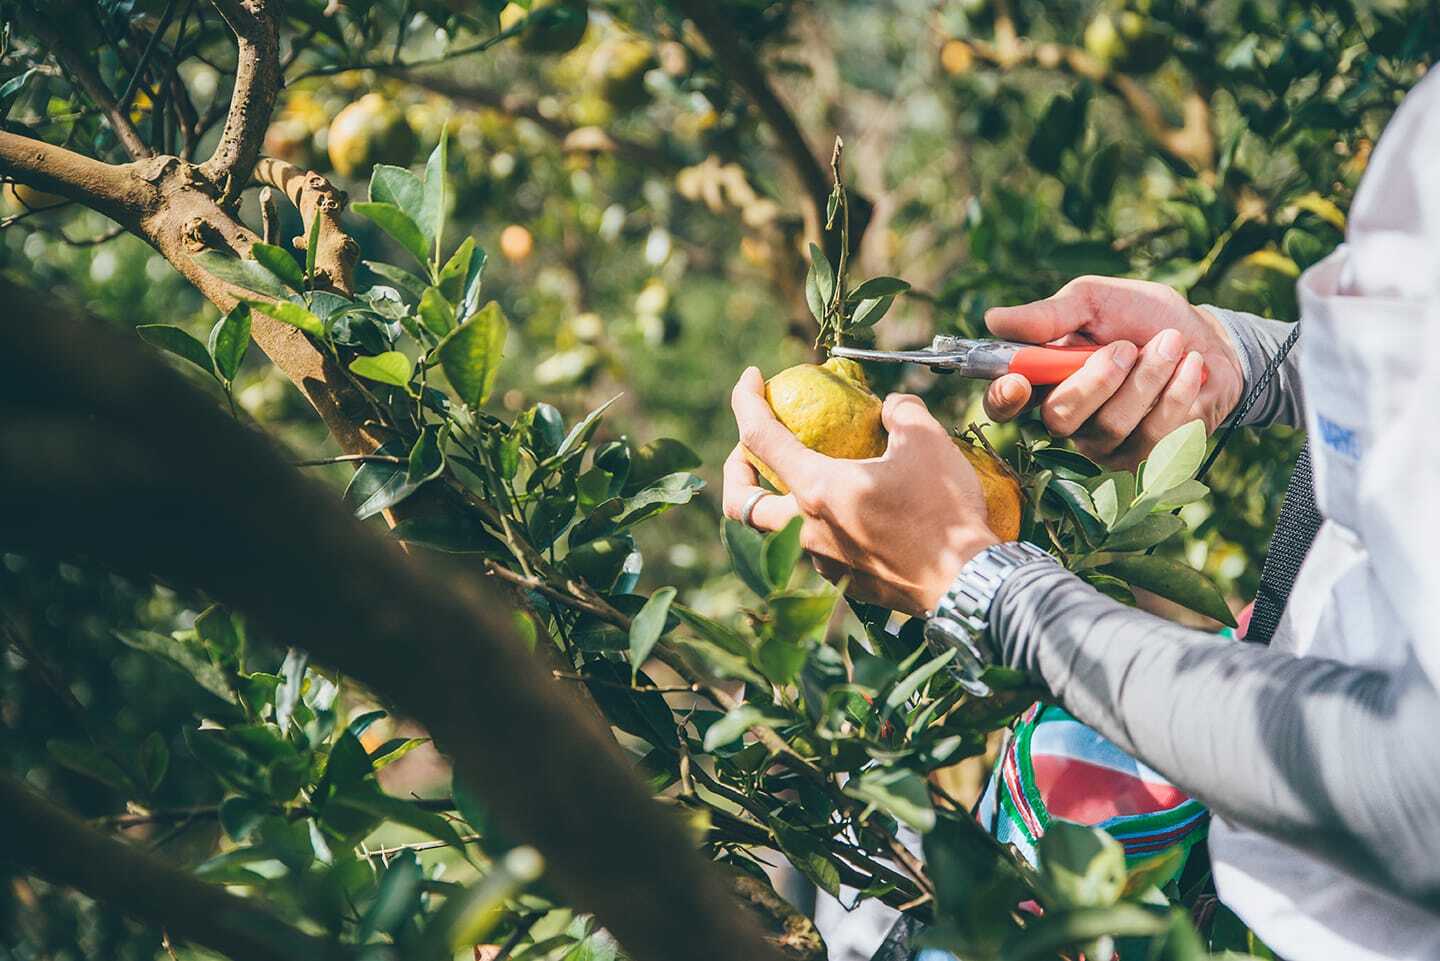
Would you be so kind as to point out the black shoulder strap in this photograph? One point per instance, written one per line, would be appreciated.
(1295, 531)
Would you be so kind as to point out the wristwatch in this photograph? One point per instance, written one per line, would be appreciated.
(961, 620)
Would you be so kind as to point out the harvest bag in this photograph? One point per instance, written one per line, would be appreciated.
(1056, 767)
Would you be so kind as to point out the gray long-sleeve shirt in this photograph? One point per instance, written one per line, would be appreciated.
(1320, 754)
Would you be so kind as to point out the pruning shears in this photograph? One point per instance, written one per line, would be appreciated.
(985, 359)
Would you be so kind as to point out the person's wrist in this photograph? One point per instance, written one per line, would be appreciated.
(1226, 352)
(963, 545)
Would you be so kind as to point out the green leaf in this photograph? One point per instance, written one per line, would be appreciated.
(801, 614)
(290, 313)
(248, 274)
(1174, 581)
(397, 898)
(722, 636)
(90, 761)
(397, 276)
(1044, 937)
(877, 287)
(647, 626)
(809, 856)
(154, 760)
(450, 535)
(899, 792)
(398, 225)
(279, 262)
(436, 313)
(1181, 494)
(1153, 530)
(1107, 501)
(229, 340)
(287, 695)
(1072, 465)
(1081, 867)
(781, 658)
(456, 270)
(177, 342)
(432, 210)
(378, 804)
(378, 486)
(747, 556)
(10, 90)
(819, 283)
(391, 367)
(181, 654)
(782, 552)
(240, 816)
(735, 723)
(312, 248)
(427, 457)
(393, 750)
(1175, 459)
(906, 688)
(657, 459)
(470, 354)
(1077, 500)
(400, 188)
(869, 312)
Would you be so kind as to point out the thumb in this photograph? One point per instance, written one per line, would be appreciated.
(906, 415)
(1040, 321)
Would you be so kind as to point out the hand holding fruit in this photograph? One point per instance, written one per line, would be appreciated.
(1166, 364)
(899, 524)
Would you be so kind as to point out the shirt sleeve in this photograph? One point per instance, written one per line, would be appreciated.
(1257, 340)
(1310, 750)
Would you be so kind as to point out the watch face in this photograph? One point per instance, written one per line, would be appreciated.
(967, 665)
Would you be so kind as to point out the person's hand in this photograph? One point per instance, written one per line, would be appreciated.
(1145, 383)
(898, 526)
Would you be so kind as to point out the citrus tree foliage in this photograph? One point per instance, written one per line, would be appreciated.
(627, 185)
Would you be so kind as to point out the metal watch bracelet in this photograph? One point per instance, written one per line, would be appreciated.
(961, 619)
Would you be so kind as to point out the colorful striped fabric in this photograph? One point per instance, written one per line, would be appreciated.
(1056, 767)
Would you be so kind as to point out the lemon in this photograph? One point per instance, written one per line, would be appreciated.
(370, 131)
(832, 410)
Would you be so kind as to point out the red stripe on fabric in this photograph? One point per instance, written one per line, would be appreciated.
(1089, 793)
(1017, 795)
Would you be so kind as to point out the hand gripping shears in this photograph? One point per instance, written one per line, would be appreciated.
(1040, 364)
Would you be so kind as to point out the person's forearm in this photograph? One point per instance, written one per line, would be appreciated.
(1256, 341)
(1324, 756)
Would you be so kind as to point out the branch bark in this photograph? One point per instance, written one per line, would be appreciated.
(84, 75)
(87, 427)
(315, 197)
(66, 850)
(257, 82)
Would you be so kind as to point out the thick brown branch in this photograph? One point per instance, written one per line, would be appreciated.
(83, 74)
(315, 197)
(115, 191)
(87, 427)
(62, 848)
(257, 82)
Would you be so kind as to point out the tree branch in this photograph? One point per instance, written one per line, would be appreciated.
(257, 82)
(64, 849)
(83, 74)
(115, 191)
(741, 65)
(87, 422)
(315, 197)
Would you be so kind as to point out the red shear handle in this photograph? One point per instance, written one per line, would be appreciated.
(1049, 365)
(1044, 366)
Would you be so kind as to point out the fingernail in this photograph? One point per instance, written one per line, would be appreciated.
(1169, 345)
(1124, 354)
(1010, 392)
(1194, 364)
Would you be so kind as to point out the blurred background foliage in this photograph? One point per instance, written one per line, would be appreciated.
(646, 225)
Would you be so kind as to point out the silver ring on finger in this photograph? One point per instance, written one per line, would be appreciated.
(747, 512)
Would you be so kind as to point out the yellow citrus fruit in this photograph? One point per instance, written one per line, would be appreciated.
(831, 409)
(1001, 489)
(26, 198)
(370, 131)
(516, 243)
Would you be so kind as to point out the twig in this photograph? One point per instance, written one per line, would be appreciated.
(350, 458)
(638, 688)
(386, 853)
